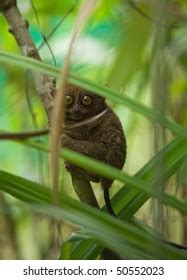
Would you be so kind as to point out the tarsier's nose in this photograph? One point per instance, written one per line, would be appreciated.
(76, 109)
(76, 112)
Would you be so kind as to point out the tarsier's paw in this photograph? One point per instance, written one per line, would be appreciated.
(65, 140)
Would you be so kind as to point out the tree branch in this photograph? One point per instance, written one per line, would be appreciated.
(19, 29)
(23, 135)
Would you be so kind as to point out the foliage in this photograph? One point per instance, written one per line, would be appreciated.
(145, 66)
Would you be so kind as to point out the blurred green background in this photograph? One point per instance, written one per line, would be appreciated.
(143, 56)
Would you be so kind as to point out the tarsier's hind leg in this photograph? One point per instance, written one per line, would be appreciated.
(84, 190)
(88, 176)
(81, 173)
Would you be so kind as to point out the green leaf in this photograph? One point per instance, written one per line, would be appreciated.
(126, 239)
(66, 251)
(128, 201)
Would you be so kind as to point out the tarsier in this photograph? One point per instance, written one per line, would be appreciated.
(101, 138)
(93, 129)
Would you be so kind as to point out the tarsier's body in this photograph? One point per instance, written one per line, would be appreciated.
(101, 138)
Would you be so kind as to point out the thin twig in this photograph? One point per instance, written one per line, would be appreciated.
(58, 24)
(23, 135)
(45, 40)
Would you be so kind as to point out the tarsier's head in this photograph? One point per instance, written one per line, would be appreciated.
(82, 104)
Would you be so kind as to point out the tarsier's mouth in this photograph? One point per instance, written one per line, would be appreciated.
(77, 117)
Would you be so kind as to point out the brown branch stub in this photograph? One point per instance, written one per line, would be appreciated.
(19, 29)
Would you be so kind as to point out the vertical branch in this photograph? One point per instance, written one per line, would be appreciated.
(160, 81)
(58, 112)
(19, 29)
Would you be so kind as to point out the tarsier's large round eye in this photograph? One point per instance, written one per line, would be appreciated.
(69, 100)
(86, 100)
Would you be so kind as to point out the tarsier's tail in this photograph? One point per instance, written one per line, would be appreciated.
(108, 202)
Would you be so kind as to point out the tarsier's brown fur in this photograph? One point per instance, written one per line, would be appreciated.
(102, 138)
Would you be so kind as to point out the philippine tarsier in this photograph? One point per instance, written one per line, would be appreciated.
(93, 129)
(99, 134)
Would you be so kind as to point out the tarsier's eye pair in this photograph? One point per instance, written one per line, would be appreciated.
(86, 100)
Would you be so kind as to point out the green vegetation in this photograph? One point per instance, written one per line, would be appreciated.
(142, 56)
